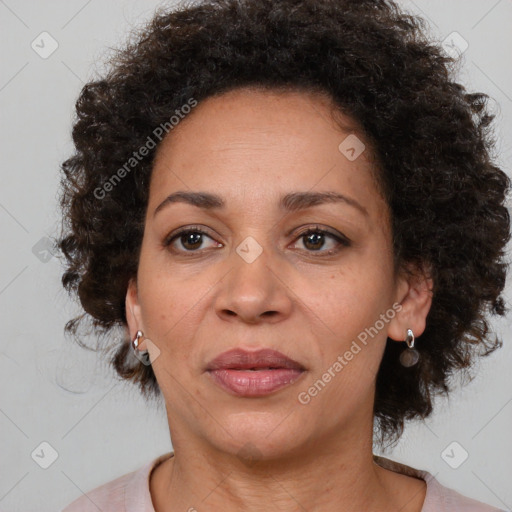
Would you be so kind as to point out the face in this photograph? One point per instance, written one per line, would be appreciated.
(265, 265)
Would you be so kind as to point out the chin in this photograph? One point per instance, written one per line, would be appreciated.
(260, 436)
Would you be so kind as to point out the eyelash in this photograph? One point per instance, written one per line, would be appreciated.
(342, 240)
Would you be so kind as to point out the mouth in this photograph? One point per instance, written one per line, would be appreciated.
(254, 374)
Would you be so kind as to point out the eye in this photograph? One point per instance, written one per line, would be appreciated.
(315, 239)
(190, 239)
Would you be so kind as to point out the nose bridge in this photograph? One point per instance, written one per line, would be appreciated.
(251, 287)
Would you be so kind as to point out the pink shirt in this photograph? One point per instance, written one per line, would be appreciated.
(130, 492)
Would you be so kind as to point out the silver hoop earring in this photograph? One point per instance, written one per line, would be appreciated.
(410, 356)
(136, 342)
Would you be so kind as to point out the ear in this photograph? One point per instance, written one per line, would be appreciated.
(414, 294)
(133, 312)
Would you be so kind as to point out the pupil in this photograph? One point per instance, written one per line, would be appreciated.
(315, 238)
(191, 239)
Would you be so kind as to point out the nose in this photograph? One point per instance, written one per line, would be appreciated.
(254, 291)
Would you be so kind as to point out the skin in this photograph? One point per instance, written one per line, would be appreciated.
(194, 302)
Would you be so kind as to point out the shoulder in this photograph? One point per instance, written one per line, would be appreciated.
(438, 498)
(443, 498)
(109, 496)
(127, 493)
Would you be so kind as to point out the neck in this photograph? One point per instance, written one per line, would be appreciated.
(338, 476)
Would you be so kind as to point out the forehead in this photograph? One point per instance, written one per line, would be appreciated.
(265, 143)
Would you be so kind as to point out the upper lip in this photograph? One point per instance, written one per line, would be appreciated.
(242, 359)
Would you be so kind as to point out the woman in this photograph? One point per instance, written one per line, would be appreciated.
(291, 210)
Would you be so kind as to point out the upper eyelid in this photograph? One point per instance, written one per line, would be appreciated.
(312, 228)
(203, 230)
(186, 229)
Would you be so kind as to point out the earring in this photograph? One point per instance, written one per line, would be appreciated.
(136, 342)
(410, 356)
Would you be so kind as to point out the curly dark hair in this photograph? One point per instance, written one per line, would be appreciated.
(432, 139)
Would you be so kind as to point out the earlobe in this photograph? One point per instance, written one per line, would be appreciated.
(414, 294)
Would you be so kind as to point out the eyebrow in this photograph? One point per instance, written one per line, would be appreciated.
(294, 201)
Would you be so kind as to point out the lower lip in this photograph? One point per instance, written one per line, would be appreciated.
(255, 382)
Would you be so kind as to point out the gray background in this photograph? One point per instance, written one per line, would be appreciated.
(55, 392)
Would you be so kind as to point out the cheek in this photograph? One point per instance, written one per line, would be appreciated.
(349, 348)
(167, 303)
(351, 297)
(166, 291)
(170, 319)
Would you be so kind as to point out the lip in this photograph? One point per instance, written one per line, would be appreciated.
(253, 374)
